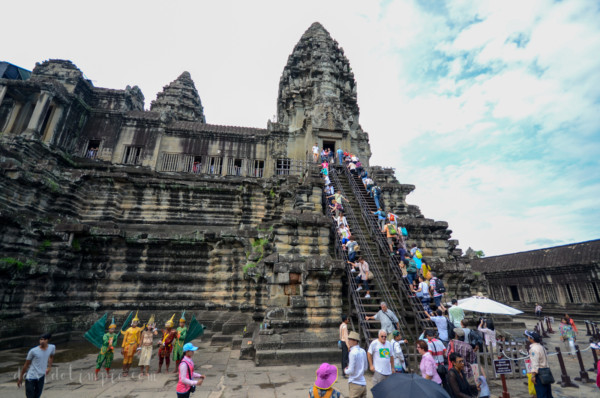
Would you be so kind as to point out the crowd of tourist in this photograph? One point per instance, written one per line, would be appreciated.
(448, 354)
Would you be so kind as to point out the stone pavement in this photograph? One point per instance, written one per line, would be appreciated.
(227, 376)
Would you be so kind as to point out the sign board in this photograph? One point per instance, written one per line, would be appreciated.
(502, 366)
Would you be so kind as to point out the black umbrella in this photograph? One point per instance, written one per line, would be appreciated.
(408, 385)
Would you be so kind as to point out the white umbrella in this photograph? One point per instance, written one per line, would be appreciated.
(486, 306)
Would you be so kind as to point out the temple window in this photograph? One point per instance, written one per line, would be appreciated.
(215, 165)
(257, 168)
(234, 167)
(47, 119)
(282, 166)
(91, 151)
(197, 165)
(132, 155)
(572, 293)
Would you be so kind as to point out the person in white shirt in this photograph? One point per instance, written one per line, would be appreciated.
(356, 368)
(381, 360)
(315, 151)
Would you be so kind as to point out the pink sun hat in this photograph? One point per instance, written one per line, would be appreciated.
(326, 375)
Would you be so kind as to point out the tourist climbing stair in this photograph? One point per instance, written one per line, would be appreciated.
(365, 204)
(379, 290)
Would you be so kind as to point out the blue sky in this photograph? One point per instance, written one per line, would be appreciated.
(491, 108)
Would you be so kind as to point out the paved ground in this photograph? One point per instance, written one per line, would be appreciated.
(227, 376)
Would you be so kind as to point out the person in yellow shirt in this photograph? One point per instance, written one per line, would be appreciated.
(131, 341)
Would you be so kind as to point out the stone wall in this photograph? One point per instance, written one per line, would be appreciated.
(79, 238)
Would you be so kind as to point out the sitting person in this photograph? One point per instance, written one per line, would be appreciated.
(458, 386)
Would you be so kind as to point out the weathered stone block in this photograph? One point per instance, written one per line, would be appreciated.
(282, 278)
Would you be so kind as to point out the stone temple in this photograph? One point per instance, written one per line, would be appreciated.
(108, 207)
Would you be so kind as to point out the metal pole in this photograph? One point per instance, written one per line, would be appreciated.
(587, 327)
(583, 375)
(544, 334)
(549, 325)
(595, 367)
(565, 379)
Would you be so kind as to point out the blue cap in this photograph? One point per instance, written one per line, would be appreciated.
(189, 347)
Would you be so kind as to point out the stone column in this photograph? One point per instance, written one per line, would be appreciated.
(41, 107)
(3, 90)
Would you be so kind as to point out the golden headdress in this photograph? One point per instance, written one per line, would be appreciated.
(182, 319)
(170, 322)
(112, 324)
(136, 319)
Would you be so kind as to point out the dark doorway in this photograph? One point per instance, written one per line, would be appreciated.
(514, 292)
(330, 145)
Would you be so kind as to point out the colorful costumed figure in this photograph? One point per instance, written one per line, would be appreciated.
(166, 344)
(179, 342)
(131, 341)
(104, 341)
(146, 346)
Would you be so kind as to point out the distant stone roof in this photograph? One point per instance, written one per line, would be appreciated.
(583, 253)
(214, 128)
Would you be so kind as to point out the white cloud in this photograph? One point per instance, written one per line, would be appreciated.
(490, 108)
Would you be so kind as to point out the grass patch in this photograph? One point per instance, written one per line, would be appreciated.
(76, 245)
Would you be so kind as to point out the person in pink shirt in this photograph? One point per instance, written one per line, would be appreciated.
(428, 366)
(187, 384)
(596, 346)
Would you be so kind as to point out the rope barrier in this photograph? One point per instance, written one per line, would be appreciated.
(548, 354)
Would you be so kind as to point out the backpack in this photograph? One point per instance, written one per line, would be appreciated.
(439, 286)
(475, 338)
(377, 191)
(450, 327)
(392, 229)
(419, 254)
(404, 231)
(392, 218)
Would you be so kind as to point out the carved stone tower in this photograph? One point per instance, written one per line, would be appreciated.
(317, 97)
(180, 99)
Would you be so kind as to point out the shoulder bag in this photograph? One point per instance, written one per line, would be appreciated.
(545, 374)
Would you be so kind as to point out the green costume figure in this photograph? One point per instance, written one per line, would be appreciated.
(179, 342)
(107, 349)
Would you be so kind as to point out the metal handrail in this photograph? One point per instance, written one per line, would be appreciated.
(421, 321)
(340, 253)
(366, 252)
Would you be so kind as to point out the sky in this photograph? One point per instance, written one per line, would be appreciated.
(490, 108)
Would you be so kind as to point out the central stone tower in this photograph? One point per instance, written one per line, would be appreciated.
(317, 98)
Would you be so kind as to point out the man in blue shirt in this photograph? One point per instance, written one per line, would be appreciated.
(381, 217)
(340, 156)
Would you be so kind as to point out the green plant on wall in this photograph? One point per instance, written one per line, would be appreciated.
(44, 246)
(11, 261)
(258, 246)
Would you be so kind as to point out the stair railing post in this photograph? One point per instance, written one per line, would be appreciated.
(583, 375)
(565, 379)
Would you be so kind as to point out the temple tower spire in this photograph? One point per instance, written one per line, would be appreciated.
(180, 99)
